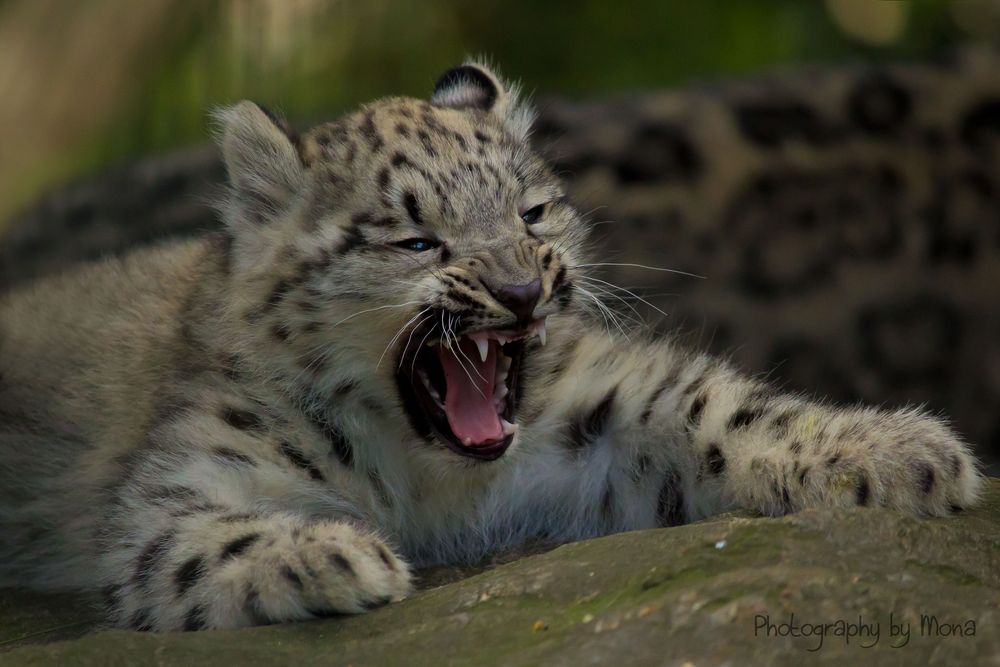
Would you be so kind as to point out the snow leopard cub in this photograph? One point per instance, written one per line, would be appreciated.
(390, 358)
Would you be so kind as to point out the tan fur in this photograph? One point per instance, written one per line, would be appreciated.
(212, 430)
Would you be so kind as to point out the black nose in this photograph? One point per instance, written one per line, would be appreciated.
(520, 299)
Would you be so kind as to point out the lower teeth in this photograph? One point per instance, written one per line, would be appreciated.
(431, 390)
(500, 392)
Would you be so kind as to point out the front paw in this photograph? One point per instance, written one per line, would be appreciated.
(330, 569)
(351, 571)
(905, 460)
(928, 468)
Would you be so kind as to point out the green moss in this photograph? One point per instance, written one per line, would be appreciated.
(948, 572)
(663, 596)
(686, 577)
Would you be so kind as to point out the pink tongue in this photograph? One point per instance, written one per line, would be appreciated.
(468, 402)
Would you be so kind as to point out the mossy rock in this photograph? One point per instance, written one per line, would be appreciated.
(695, 594)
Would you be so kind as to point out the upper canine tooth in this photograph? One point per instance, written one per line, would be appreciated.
(508, 428)
(541, 333)
(484, 347)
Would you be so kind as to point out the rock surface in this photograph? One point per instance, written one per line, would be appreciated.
(695, 594)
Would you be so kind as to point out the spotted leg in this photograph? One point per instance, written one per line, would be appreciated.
(188, 558)
(656, 435)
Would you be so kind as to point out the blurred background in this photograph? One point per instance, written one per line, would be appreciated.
(843, 208)
(87, 83)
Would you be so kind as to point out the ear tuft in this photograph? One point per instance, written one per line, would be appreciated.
(465, 87)
(280, 123)
(474, 85)
(262, 159)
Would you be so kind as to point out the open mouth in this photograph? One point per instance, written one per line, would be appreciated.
(464, 388)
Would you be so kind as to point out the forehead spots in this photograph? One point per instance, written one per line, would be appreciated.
(370, 132)
(326, 143)
(412, 207)
(331, 133)
(411, 163)
(431, 122)
(386, 221)
(425, 140)
(371, 219)
(383, 184)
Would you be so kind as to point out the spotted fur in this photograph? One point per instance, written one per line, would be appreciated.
(210, 431)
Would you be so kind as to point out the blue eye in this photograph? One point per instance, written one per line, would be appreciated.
(534, 214)
(417, 245)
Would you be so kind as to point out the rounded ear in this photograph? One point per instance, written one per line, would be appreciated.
(467, 86)
(474, 85)
(262, 159)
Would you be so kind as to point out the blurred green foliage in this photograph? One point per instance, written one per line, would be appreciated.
(311, 59)
(351, 51)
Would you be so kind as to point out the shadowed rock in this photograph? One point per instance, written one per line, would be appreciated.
(689, 594)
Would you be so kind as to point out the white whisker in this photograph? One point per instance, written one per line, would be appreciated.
(413, 364)
(398, 334)
(630, 293)
(606, 292)
(409, 339)
(650, 268)
(372, 310)
(451, 335)
(606, 312)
